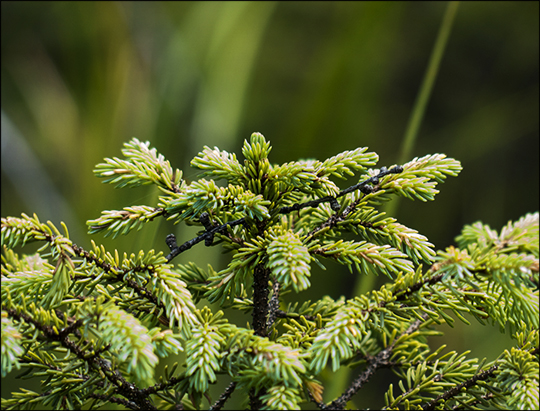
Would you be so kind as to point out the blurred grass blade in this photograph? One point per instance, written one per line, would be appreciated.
(425, 91)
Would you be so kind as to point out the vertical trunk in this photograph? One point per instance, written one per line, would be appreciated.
(260, 299)
(260, 313)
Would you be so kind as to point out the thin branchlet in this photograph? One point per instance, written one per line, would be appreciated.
(362, 186)
(381, 360)
(211, 229)
(176, 250)
(454, 391)
(93, 360)
(223, 397)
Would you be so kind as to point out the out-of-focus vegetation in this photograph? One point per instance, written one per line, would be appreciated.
(316, 78)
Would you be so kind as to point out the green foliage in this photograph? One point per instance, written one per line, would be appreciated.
(142, 166)
(93, 325)
(289, 261)
(11, 348)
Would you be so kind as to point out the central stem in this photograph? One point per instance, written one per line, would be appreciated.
(260, 313)
(260, 299)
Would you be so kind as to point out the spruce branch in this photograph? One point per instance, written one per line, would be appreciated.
(363, 186)
(219, 164)
(143, 166)
(11, 345)
(176, 250)
(366, 257)
(167, 292)
(223, 397)
(115, 317)
(115, 222)
(381, 360)
(53, 334)
(481, 376)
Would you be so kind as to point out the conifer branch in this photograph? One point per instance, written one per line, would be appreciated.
(381, 360)
(362, 186)
(52, 334)
(223, 397)
(103, 321)
(481, 376)
(207, 237)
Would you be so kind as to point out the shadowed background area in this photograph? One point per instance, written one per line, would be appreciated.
(316, 78)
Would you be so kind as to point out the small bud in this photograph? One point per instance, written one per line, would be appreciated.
(366, 189)
(396, 169)
(170, 240)
(334, 204)
(204, 218)
(375, 180)
(208, 240)
(383, 170)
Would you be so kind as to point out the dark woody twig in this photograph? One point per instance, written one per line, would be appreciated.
(223, 397)
(211, 229)
(134, 396)
(376, 362)
(175, 250)
(452, 392)
(362, 186)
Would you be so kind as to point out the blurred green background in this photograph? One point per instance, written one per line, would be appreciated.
(316, 78)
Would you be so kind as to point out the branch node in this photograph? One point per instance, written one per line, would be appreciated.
(171, 241)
